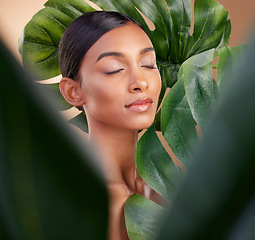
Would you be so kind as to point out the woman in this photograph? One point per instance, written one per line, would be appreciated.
(109, 69)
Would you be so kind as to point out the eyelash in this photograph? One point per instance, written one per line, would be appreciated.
(117, 71)
(150, 67)
(114, 72)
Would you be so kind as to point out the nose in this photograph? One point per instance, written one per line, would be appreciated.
(138, 82)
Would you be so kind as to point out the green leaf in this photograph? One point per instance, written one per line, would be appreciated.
(227, 64)
(51, 186)
(177, 124)
(169, 73)
(38, 45)
(211, 28)
(143, 218)
(180, 13)
(39, 42)
(80, 121)
(172, 22)
(73, 9)
(216, 199)
(199, 87)
(155, 166)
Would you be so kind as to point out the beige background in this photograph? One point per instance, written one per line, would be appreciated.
(14, 14)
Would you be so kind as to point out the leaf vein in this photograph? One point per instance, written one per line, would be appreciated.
(200, 36)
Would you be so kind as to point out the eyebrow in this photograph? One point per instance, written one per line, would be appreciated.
(107, 54)
(118, 54)
(149, 49)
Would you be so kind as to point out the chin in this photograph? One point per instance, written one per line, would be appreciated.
(143, 124)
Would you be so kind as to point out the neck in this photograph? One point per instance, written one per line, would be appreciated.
(117, 148)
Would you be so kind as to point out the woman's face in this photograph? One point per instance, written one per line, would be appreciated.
(120, 82)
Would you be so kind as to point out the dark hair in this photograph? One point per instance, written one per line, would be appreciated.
(82, 34)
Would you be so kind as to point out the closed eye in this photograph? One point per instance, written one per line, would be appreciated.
(149, 66)
(114, 72)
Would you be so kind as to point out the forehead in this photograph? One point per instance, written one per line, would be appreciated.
(129, 38)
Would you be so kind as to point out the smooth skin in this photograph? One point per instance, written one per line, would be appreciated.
(118, 86)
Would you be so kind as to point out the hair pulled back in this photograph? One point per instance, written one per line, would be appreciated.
(82, 34)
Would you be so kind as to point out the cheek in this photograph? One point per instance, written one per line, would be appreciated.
(156, 85)
(95, 90)
(103, 99)
(159, 82)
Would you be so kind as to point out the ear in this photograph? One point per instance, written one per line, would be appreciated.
(71, 91)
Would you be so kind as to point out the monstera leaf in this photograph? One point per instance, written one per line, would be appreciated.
(155, 166)
(38, 44)
(143, 217)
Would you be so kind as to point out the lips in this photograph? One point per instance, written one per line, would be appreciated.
(140, 105)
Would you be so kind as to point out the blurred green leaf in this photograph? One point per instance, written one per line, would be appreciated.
(143, 218)
(199, 88)
(51, 186)
(243, 228)
(229, 60)
(218, 191)
(155, 166)
(177, 124)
